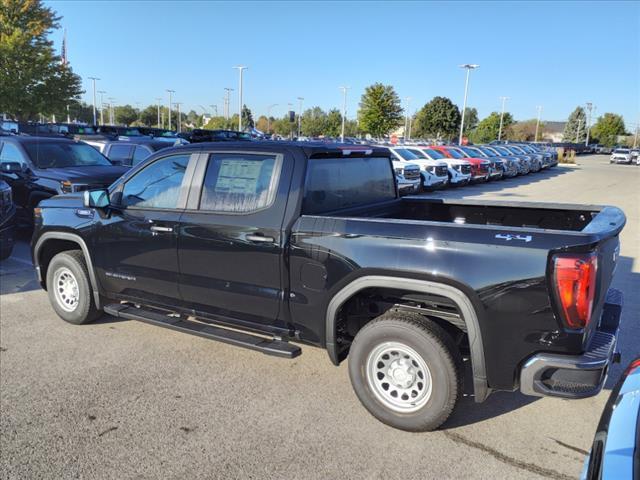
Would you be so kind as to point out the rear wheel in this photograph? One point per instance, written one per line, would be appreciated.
(406, 371)
(69, 288)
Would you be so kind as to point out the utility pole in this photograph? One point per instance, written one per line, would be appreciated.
(300, 99)
(177, 104)
(101, 92)
(240, 68)
(112, 113)
(589, 108)
(159, 99)
(468, 67)
(227, 98)
(170, 92)
(635, 137)
(504, 100)
(411, 123)
(578, 130)
(68, 117)
(269, 116)
(95, 121)
(406, 120)
(344, 111)
(539, 108)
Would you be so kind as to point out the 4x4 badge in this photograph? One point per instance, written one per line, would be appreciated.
(508, 237)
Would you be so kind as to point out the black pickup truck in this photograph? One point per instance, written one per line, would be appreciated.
(266, 245)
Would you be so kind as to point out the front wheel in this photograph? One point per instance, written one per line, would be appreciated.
(406, 371)
(69, 288)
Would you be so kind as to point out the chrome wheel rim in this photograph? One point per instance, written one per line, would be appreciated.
(399, 377)
(66, 289)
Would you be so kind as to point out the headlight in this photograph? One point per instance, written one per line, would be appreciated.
(398, 171)
(66, 186)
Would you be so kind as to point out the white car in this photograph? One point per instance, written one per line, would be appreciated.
(432, 177)
(635, 155)
(458, 170)
(621, 155)
(408, 177)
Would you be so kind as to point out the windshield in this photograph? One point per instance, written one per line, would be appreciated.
(64, 154)
(504, 151)
(406, 154)
(455, 153)
(472, 152)
(419, 153)
(621, 150)
(488, 152)
(435, 154)
(513, 148)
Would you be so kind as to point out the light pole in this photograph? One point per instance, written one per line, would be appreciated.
(177, 104)
(578, 130)
(589, 108)
(635, 137)
(468, 67)
(240, 68)
(68, 117)
(227, 98)
(112, 119)
(159, 99)
(504, 99)
(539, 108)
(300, 99)
(94, 98)
(290, 106)
(170, 92)
(406, 119)
(344, 110)
(269, 115)
(101, 92)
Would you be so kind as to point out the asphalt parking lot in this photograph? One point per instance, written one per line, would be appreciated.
(122, 399)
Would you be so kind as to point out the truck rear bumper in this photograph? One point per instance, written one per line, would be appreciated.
(576, 376)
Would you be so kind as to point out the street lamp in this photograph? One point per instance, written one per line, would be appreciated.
(468, 67)
(101, 92)
(240, 68)
(589, 108)
(159, 99)
(344, 110)
(300, 99)
(112, 113)
(177, 104)
(504, 99)
(406, 118)
(539, 108)
(225, 108)
(170, 92)
(94, 98)
(269, 116)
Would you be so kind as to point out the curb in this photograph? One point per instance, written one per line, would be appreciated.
(570, 165)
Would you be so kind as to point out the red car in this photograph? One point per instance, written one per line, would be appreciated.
(479, 166)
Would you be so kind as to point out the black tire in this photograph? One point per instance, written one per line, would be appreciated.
(85, 310)
(438, 352)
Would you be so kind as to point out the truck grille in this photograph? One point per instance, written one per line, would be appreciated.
(442, 171)
(484, 168)
(465, 169)
(411, 174)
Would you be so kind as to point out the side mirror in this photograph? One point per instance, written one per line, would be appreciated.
(11, 167)
(96, 199)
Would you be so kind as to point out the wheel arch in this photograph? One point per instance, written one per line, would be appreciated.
(50, 244)
(462, 301)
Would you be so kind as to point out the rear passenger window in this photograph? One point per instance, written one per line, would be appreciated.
(140, 154)
(240, 183)
(120, 154)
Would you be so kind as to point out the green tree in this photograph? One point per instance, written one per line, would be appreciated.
(525, 131)
(149, 116)
(333, 127)
(380, 110)
(262, 123)
(125, 114)
(33, 79)
(607, 128)
(194, 118)
(575, 129)
(440, 118)
(470, 120)
(314, 122)
(487, 130)
(282, 126)
(247, 117)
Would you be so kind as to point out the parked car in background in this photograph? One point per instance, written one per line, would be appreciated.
(431, 177)
(635, 155)
(479, 166)
(128, 151)
(9, 127)
(496, 165)
(534, 159)
(615, 452)
(509, 164)
(7, 221)
(458, 170)
(408, 177)
(436, 168)
(41, 167)
(524, 164)
(621, 155)
(198, 135)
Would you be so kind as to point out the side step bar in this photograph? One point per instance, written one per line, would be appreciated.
(278, 348)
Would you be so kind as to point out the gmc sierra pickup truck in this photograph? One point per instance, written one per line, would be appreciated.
(267, 245)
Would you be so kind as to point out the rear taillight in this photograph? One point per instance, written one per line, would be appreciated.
(575, 283)
(633, 366)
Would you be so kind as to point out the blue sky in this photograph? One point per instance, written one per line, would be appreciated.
(554, 54)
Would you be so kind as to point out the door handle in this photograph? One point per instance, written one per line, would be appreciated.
(260, 239)
(157, 228)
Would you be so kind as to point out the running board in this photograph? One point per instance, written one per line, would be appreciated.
(278, 348)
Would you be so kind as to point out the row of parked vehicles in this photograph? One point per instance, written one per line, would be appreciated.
(629, 156)
(429, 167)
